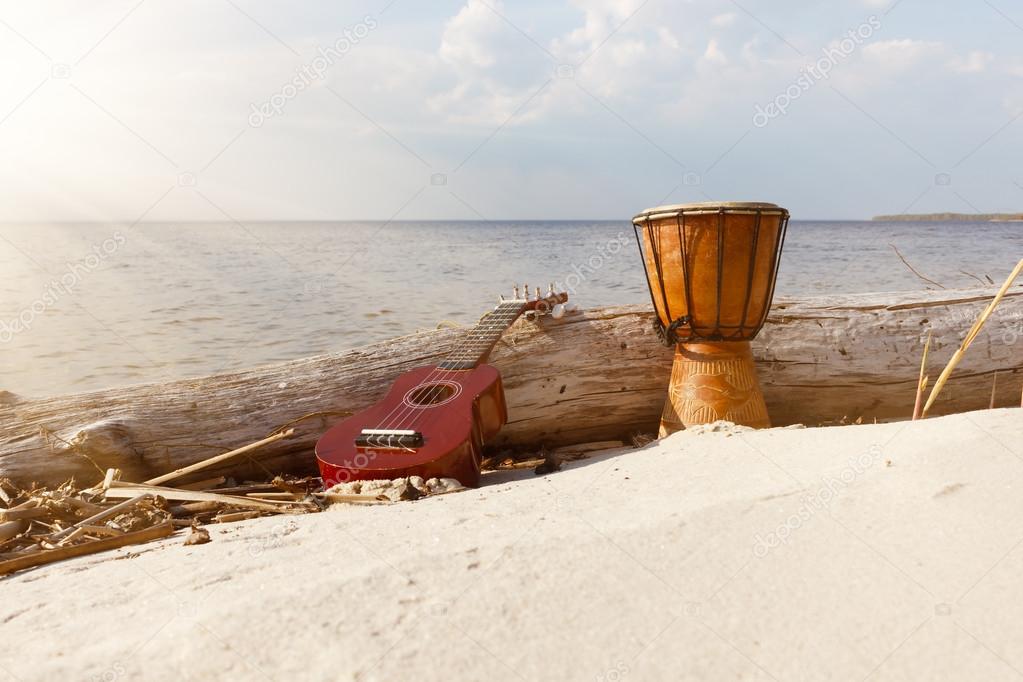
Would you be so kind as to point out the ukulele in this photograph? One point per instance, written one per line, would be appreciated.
(435, 419)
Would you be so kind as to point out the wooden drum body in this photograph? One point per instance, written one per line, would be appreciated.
(711, 269)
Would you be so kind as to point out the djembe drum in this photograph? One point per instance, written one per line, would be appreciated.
(711, 270)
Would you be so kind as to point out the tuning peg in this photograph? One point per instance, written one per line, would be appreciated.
(550, 289)
(500, 298)
(525, 291)
(537, 293)
(515, 294)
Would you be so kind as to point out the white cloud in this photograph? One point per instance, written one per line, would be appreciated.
(470, 36)
(713, 54)
(975, 62)
(724, 20)
(901, 55)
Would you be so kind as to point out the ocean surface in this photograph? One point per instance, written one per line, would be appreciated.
(87, 306)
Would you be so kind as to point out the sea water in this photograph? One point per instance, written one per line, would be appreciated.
(86, 306)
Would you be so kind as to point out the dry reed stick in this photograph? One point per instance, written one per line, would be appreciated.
(918, 407)
(912, 269)
(994, 386)
(974, 331)
(921, 383)
(107, 513)
(50, 555)
(198, 466)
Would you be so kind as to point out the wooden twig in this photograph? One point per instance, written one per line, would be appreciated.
(103, 530)
(206, 463)
(12, 529)
(918, 407)
(353, 499)
(204, 484)
(107, 513)
(231, 517)
(322, 413)
(74, 534)
(968, 274)
(289, 497)
(994, 386)
(50, 555)
(921, 384)
(912, 269)
(127, 491)
(27, 513)
(970, 336)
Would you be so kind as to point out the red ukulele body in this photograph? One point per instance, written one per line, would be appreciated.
(455, 411)
(436, 419)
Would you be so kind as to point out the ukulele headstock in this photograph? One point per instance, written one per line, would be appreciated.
(535, 305)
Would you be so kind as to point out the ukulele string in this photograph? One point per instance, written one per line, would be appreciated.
(387, 421)
(463, 353)
(460, 353)
(496, 322)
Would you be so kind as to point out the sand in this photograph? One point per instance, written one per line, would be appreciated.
(881, 552)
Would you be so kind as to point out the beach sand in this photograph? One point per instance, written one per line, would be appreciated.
(881, 552)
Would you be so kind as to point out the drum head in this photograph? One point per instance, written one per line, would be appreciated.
(738, 207)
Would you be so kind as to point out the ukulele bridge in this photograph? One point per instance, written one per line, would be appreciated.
(398, 439)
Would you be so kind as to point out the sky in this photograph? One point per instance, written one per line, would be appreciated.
(211, 110)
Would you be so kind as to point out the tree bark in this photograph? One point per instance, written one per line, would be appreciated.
(594, 375)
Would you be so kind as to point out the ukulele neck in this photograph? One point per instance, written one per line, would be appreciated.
(475, 348)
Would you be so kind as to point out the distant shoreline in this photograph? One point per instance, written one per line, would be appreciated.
(952, 218)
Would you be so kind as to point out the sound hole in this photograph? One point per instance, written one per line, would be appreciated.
(431, 394)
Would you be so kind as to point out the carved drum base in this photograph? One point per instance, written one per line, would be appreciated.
(712, 381)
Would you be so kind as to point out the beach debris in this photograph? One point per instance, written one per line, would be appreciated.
(206, 463)
(511, 461)
(641, 439)
(198, 535)
(921, 384)
(970, 336)
(43, 525)
(408, 492)
(386, 491)
(580, 449)
(50, 554)
(914, 270)
(721, 426)
(231, 517)
(551, 463)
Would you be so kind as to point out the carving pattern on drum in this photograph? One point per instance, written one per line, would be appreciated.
(713, 382)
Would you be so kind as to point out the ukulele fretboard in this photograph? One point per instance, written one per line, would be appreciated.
(476, 346)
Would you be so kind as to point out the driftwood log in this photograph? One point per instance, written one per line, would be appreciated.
(594, 375)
